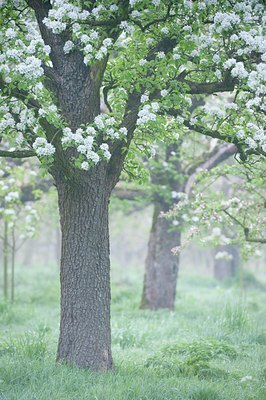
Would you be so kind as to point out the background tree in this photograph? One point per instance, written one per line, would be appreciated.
(55, 59)
(169, 178)
(226, 261)
(228, 218)
(18, 221)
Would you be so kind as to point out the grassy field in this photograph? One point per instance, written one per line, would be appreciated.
(212, 347)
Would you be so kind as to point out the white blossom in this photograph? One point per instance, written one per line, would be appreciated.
(164, 93)
(165, 30)
(239, 71)
(144, 98)
(145, 115)
(85, 165)
(160, 54)
(12, 196)
(69, 45)
(142, 62)
(42, 147)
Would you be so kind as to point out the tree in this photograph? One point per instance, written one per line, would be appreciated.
(17, 220)
(226, 219)
(57, 57)
(171, 177)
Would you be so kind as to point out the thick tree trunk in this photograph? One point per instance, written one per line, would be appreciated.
(224, 269)
(85, 334)
(161, 266)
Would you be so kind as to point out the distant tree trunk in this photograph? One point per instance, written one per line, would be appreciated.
(85, 334)
(13, 254)
(5, 259)
(224, 269)
(161, 267)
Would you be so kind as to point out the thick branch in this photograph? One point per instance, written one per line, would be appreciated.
(216, 156)
(221, 154)
(120, 150)
(226, 85)
(17, 153)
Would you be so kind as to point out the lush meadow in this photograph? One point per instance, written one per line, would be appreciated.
(212, 347)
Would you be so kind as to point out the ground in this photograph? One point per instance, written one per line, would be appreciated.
(227, 333)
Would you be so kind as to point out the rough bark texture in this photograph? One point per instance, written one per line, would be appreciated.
(161, 266)
(224, 269)
(85, 334)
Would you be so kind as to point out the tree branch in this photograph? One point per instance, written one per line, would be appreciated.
(119, 151)
(245, 229)
(155, 21)
(221, 154)
(216, 156)
(20, 95)
(218, 135)
(227, 85)
(17, 153)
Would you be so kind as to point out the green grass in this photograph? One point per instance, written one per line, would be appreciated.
(212, 347)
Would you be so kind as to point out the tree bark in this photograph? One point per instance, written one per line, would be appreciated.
(161, 266)
(85, 333)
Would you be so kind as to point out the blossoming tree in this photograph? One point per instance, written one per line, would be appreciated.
(17, 221)
(145, 59)
(171, 172)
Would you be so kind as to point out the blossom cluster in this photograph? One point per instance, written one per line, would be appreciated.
(16, 120)
(43, 148)
(22, 58)
(147, 113)
(85, 139)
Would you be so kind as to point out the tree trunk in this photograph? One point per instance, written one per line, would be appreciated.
(85, 333)
(161, 266)
(13, 254)
(224, 269)
(5, 259)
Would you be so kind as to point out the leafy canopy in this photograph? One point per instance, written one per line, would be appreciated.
(144, 59)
